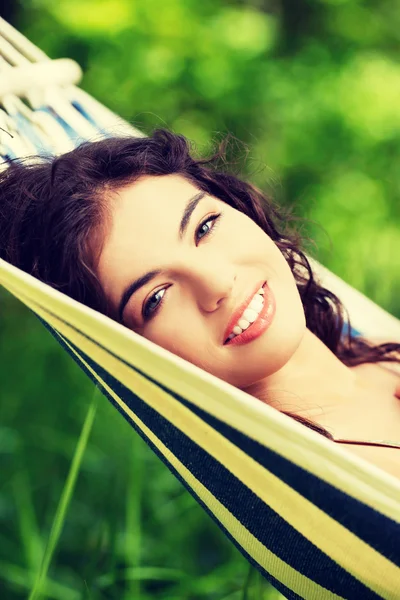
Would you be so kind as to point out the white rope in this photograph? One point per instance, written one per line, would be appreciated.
(11, 54)
(21, 80)
(21, 43)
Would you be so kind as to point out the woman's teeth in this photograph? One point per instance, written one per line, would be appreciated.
(250, 314)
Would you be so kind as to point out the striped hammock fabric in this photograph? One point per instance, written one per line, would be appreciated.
(317, 521)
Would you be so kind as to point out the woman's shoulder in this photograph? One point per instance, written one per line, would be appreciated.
(390, 367)
(388, 459)
(383, 379)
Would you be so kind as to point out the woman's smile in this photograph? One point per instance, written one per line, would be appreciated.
(198, 288)
(264, 311)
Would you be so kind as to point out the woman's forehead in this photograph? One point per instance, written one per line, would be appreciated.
(148, 205)
(144, 226)
(155, 192)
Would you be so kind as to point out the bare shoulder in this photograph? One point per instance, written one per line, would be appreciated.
(390, 367)
(388, 459)
(384, 366)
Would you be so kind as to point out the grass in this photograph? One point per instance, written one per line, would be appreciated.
(67, 492)
(87, 511)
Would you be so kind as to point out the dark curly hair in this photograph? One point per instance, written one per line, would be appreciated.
(53, 214)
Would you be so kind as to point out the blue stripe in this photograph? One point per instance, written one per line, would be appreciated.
(264, 523)
(78, 106)
(9, 154)
(69, 130)
(26, 128)
(349, 512)
(289, 594)
(354, 331)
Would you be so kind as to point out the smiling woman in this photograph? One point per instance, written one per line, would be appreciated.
(205, 265)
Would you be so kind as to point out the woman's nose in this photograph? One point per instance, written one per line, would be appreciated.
(212, 284)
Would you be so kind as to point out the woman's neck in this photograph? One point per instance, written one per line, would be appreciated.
(314, 382)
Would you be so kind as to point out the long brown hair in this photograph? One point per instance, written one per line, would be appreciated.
(53, 215)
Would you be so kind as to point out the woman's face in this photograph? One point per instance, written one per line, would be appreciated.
(202, 277)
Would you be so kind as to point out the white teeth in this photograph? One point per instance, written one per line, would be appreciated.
(256, 303)
(243, 324)
(250, 315)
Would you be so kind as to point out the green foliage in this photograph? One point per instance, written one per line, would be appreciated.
(313, 88)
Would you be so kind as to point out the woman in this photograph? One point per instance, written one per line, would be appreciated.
(204, 265)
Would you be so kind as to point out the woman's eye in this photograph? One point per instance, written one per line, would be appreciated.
(151, 306)
(205, 228)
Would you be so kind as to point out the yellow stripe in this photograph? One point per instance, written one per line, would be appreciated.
(331, 463)
(300, 584)
(373, 570)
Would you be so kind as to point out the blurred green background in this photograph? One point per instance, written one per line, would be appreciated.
(313, 88)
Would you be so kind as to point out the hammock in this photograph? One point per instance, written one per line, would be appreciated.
(317, 521)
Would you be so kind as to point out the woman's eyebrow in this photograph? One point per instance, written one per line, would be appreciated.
(187, 213)
(141, 281)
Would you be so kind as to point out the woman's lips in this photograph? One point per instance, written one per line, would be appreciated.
(262, 322)
(240, 310)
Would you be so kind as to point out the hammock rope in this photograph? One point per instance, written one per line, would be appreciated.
(317, 521)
